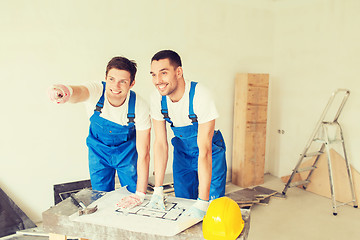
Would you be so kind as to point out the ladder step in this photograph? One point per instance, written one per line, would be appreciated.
(313, 154)
(306, 169)
(295, 184)
(330, 142)
(342, 204)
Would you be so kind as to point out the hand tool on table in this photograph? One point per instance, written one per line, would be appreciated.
(82, 208)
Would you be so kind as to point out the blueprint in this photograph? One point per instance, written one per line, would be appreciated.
(141, 218)
(172, 210)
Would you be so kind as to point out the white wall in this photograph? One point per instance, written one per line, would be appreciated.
(302, 44)
(70, 41)
(316, 51)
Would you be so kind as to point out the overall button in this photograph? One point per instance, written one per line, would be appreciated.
(110, 131)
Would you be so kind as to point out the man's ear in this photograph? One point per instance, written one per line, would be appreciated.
(132, 84)
(179, 72)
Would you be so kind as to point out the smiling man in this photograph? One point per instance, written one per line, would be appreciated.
(199, 163)
(119, 135)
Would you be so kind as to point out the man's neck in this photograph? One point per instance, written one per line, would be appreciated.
(179, 91)
(116, 102)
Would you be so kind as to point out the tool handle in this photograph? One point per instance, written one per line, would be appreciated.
(77, 203)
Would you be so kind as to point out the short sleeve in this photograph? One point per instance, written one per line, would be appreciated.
(155, 106)
(204, 105)
(95, 92)
(142, 114)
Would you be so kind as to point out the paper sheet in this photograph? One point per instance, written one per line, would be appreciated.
(141, 218)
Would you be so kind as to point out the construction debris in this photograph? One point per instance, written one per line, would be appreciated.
(247, 197)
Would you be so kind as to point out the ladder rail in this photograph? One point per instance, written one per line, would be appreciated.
(325, 111)
(331, 179)
(314, 164)
(318, 124)
(346, 96)
(295, 170)
(348, 168)
(287, 185)
(325, 146)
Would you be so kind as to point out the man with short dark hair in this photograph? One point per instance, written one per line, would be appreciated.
(199, 163)
(119, 135)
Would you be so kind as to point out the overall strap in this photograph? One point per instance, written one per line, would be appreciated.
(131, 107)
(100, 103)
(164, 110)
(192, 115)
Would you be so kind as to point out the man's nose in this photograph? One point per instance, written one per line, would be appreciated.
(118, 84)
(157, 79)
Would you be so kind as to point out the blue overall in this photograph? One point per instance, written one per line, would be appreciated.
(186, 153)
(112, 147)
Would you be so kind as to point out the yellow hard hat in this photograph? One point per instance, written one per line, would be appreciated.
(223, 220)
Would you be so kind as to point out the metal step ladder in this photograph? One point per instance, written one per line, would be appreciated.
(324, 135)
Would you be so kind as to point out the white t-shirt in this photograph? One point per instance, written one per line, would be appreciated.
(204, 106)
(118, 114)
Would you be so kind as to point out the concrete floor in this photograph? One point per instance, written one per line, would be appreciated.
(302, 215)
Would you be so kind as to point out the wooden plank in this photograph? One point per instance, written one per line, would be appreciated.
(254, 155)
(256, 127)
(257, 95)
(264, 201)
(256, 114)
(320, 183)
(257, 79)
(238, 129)
(53, 236)
(264, 192)
(249, 132)
(245, 205)
(245, 195)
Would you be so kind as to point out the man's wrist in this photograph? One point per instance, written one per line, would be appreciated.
(202, 200)
(141, 195)
(201, 204)
(159, 191)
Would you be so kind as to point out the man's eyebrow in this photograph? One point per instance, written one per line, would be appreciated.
(163, 69)
(124, 78)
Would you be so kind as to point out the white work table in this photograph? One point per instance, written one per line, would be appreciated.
(58, 222)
